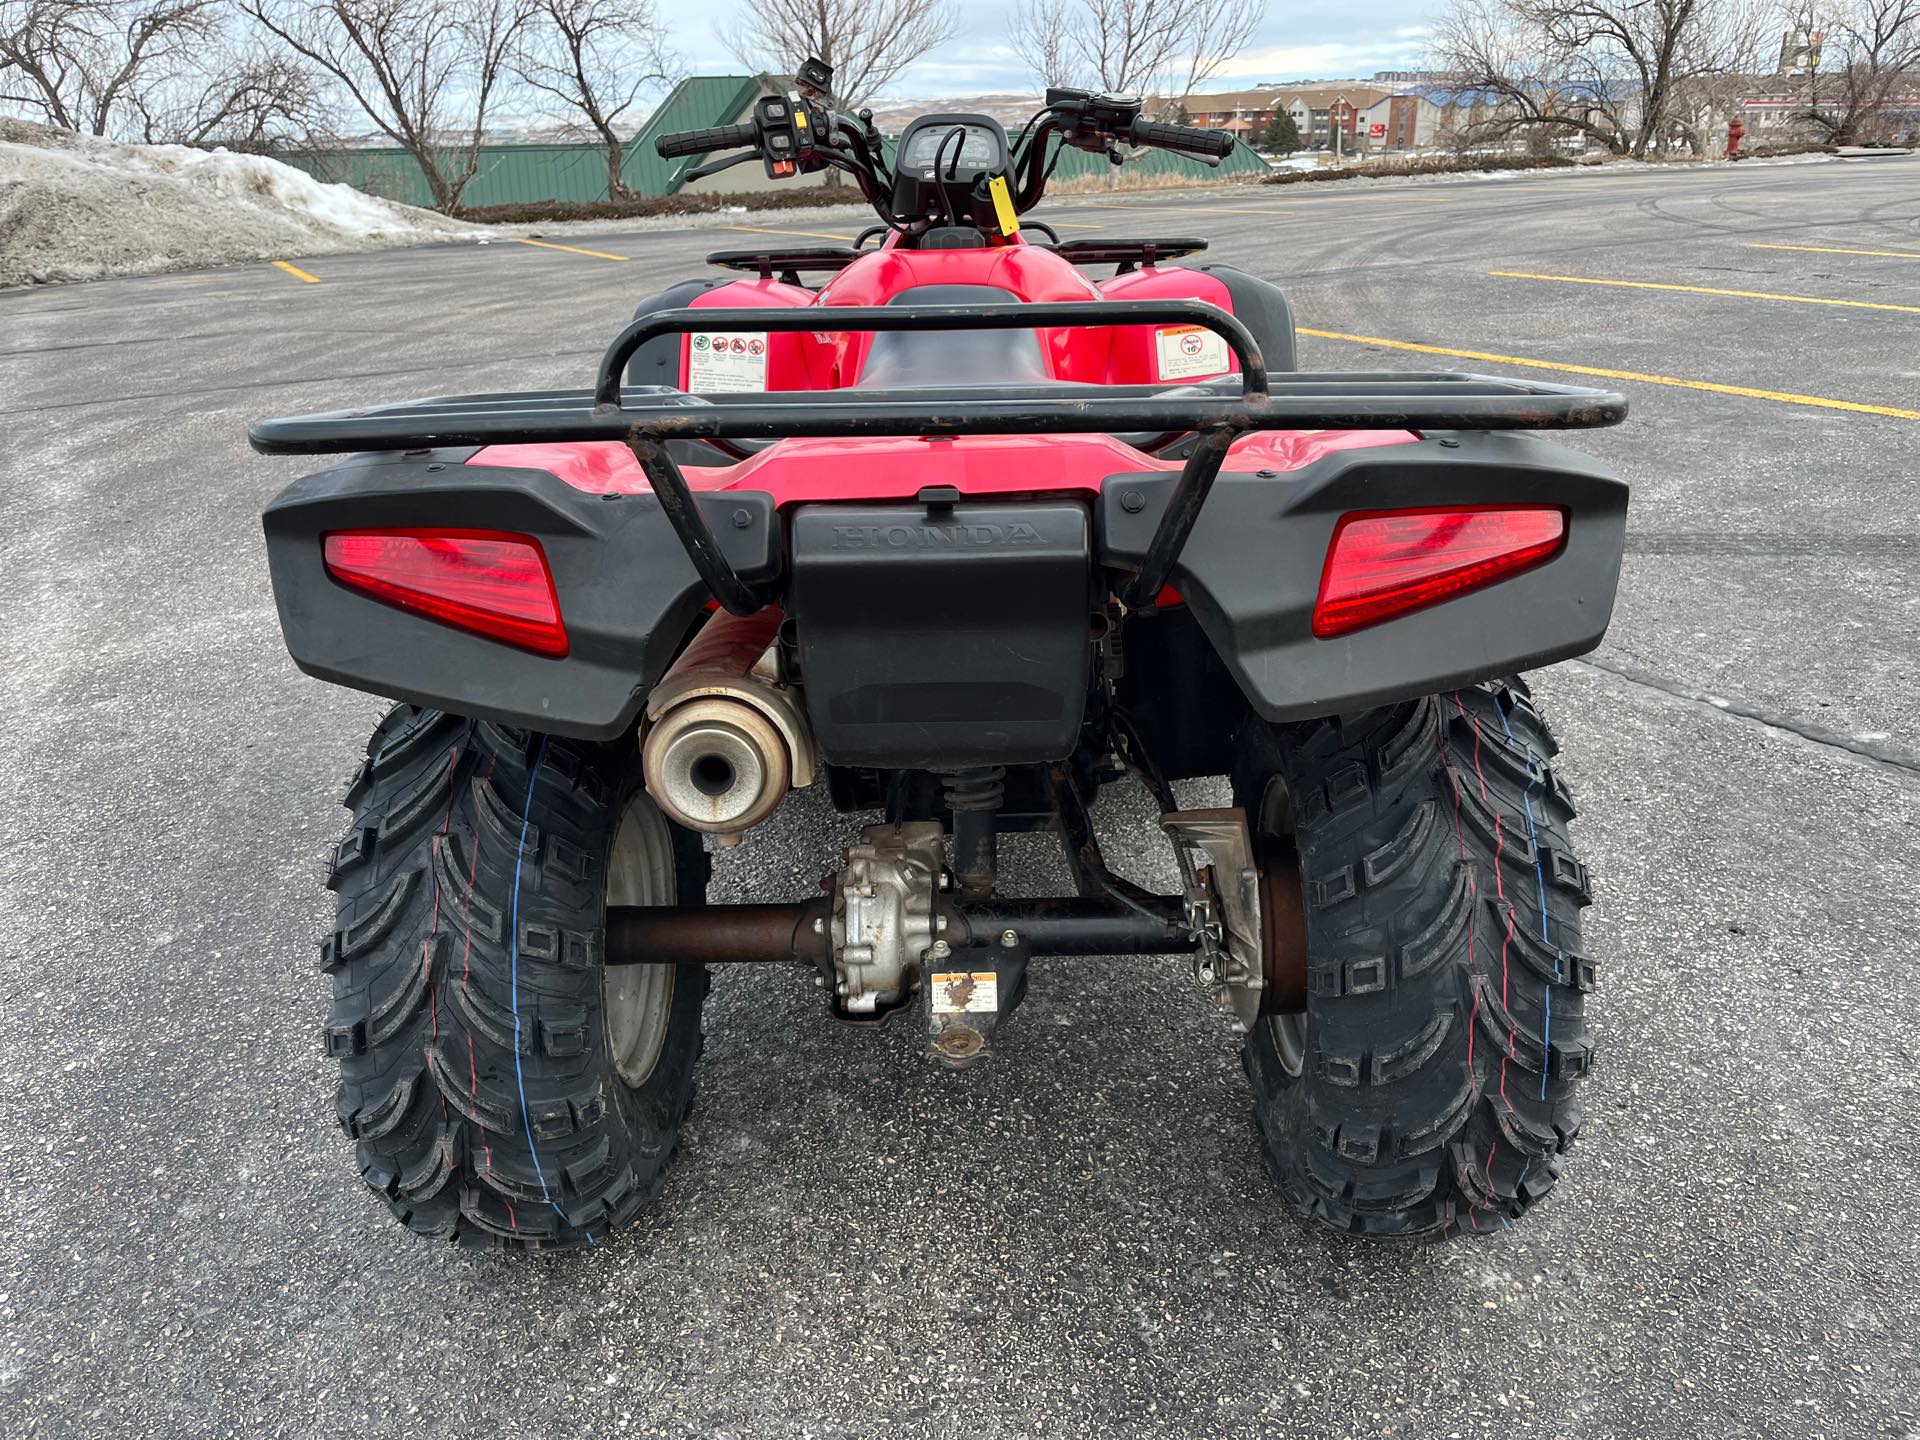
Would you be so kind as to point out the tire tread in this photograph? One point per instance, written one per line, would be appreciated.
(446, 1072)
(1446, 1032)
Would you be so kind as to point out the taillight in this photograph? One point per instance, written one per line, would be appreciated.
(487, 581)
(1384, 563)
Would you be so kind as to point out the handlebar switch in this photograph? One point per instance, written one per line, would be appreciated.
(775, 117)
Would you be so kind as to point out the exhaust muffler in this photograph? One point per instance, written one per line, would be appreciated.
(724, 739)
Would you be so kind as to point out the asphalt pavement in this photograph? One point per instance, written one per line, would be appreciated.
(1076, 1238)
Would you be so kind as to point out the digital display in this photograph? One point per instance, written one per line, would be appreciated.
(980, 150)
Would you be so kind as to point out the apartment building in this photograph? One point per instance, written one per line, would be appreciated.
(1322, 114)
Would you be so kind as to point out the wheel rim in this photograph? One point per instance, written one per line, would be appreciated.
(639, 998)
(1288, 1033)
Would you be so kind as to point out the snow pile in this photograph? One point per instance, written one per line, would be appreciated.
(77, 208)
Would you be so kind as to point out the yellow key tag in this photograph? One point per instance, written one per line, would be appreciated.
(1003, 205)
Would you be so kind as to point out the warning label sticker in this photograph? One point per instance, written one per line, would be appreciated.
(966, 992)
(1190, 350)
(717, 362)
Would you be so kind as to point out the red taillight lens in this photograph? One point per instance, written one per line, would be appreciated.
(1390, 562)
(486, 581)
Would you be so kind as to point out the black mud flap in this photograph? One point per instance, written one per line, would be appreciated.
(628, 593)
(1251, 569)
(945, 634)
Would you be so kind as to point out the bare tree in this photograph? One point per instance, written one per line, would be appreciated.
(867, 42)
(1876, 44)
(1162, 48)
(1537, 87)
(1117, 46)
(596, 57)
(1042, 32)
(425, 73)
(247, 97)
(1649, 73)
(1717, 61)
(1215, 34)
(84, 64)
(1663, 48)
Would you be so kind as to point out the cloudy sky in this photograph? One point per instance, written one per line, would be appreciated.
(1300, 39)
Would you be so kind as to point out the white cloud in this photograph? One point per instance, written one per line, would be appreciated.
(1329, 59)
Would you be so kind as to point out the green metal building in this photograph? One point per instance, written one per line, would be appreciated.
(523, 174)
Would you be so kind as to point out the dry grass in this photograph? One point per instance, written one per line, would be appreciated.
(1787, 147)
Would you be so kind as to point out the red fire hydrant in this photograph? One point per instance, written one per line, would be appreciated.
(1736, 132)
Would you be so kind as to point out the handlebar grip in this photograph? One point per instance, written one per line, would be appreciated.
(1216, 144)
(705, 142)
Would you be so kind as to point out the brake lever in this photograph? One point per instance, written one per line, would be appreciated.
(714, 167)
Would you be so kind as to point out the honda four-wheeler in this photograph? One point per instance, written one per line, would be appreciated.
(940, 523)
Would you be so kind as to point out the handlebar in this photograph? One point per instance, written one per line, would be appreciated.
(801, 135)
(705, 142)
(1210, 144)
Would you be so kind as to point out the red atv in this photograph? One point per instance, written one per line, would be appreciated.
(962, 535)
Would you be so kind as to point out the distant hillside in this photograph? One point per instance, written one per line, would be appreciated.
(1009, 110)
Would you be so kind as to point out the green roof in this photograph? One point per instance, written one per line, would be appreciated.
(697, 103)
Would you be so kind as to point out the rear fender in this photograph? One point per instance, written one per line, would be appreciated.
(628, 594)
(1251, 569)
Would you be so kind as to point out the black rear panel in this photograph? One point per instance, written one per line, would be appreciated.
(942, 636)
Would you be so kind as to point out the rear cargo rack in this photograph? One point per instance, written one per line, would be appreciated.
(644, 417)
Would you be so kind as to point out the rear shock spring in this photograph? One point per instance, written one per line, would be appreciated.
(981, 787)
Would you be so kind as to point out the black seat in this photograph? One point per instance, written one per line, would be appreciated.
(919, 359)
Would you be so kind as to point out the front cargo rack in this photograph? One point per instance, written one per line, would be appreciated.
(644, 417)
(789, 262)
(1128, 255)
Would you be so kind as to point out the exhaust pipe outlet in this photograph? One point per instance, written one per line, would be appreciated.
(724, 740)
(716, 765)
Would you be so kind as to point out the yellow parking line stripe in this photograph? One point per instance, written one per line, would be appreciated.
(570, 249)
(810, 234)
(1782, 396)
(1705, 290)
(1838, 250)
(296, 272)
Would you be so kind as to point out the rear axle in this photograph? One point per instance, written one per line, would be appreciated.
(728, 934)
